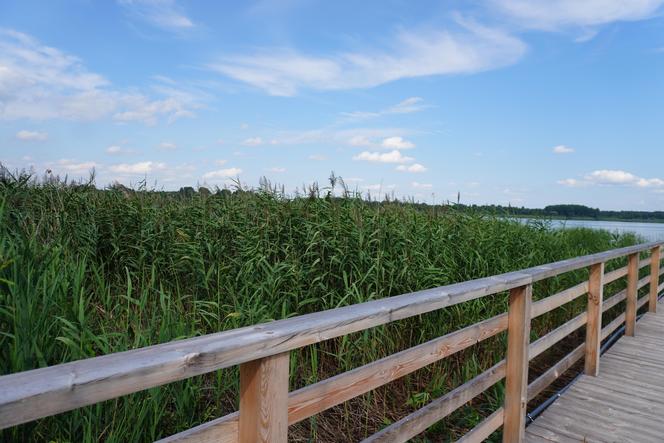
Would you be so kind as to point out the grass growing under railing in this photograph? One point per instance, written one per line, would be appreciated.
(85, 272)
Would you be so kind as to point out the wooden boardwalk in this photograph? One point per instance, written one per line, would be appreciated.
(624, 403)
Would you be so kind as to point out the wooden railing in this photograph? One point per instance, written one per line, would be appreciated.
(262, 351)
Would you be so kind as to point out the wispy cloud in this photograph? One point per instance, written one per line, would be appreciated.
(562, 149)
(222, 174)
(164, 14)
(415, 168)
(119, 150)
(40, 82)
(407, 106)
(167, 146)
(145, 167)
(31, 135)
(417, 185)
(397, 143)
(613, 177)
(284, 71)
(253, 141)
(383, 157)
(73, 166)
(552, 15)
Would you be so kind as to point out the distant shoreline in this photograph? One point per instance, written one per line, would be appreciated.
(602, 219)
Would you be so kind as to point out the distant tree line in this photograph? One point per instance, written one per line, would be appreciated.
(570, 211)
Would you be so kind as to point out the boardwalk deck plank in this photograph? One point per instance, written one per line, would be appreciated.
(624, 403)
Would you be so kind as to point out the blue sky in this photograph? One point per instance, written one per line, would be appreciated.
(527, 102)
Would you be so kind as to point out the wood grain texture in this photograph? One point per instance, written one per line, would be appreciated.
(483, 430)
(655, 255)
(264, 400)
(632, 281)
(516, 377)
(623, 403)
(417, 422)
(612, 276)
(552, 302)
(313, 399)
(594, 321)
(553, 337)
(555, 371)
(42, 392)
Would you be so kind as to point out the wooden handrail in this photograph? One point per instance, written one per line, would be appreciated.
(261, 351)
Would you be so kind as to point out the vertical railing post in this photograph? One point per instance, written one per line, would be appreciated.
(655, 257)
(594, 324)
(264, 400)
(630, 299)
(516, 376)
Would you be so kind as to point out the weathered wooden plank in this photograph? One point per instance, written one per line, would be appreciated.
(614, 300)
(221, 430)
(624, 402)
(264, 400)
(516, 378)
(612, 276)
(632, 281)
(594, 321)
(655, 254)
(42, 392)
(553, 337)
(420, 420)
(555, 371)
(313, 399)
(612, 326)
(535, 433)
(483, 430)
(548, 304)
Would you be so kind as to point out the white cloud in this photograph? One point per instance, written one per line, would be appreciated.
(571, 182)
(394, 156)
(253, 141)
(379, 187)
(277, 169)
(40, 82)
(145, 167)
(550, 15)
(562, 149)
(31, 135)
(415, 167)
(360, 140)
(317, 157)
(613, 177)
(220, 162)
(222, 173)
(417, 185)
(167, 146)
(407, 106)
(118, 150)
(397, 143)
(72, 166)
(165, 14)
(411, 54)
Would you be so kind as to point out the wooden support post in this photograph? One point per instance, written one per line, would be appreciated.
(630, 300)
(655, 257)
(264, 400)
(594, 325)
(516, 377)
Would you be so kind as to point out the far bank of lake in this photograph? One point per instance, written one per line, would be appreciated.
(649, 231)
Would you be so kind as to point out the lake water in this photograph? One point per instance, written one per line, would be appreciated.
(649, 231)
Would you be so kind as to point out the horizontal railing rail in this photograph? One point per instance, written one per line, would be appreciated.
(262, 352)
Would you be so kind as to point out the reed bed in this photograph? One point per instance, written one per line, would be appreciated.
(85, 272)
